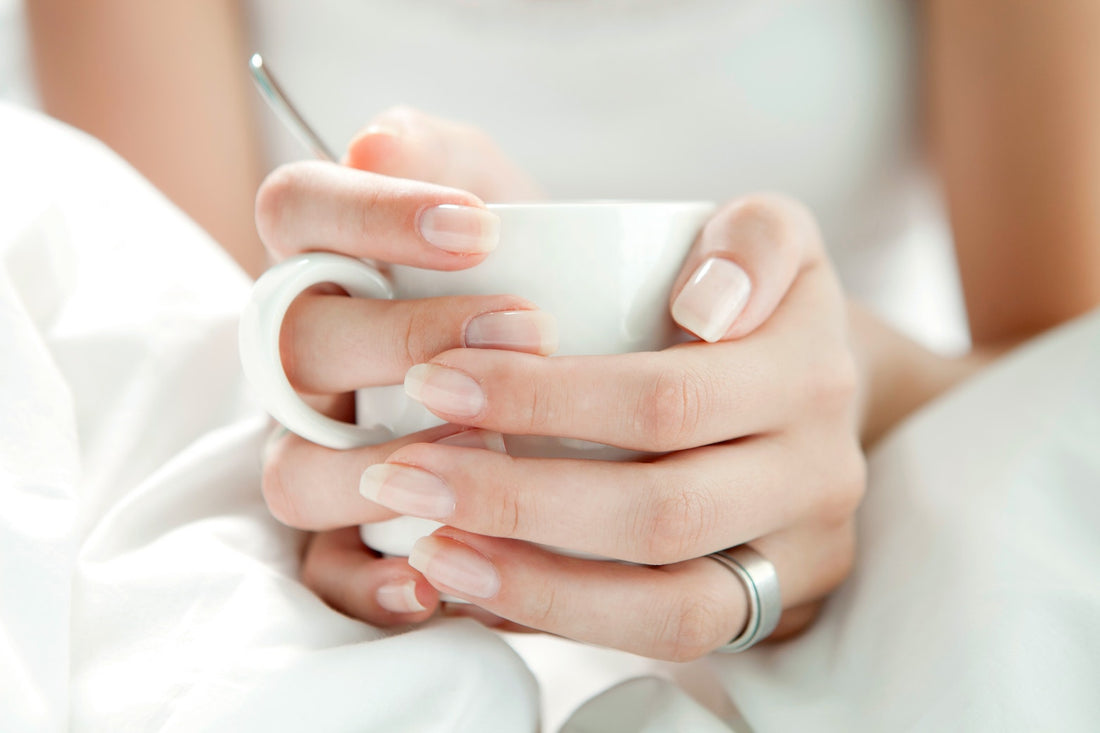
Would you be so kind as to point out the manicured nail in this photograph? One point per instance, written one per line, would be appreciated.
(460, 229)
(456, 566)
(483, 439)
(399, 597)
(407, 490)
(532, 331)
(444, 390)
(712, 299)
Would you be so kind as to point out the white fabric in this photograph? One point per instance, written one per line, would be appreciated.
(693, 99)
(975, 604)
(144, 587)
(16, 82)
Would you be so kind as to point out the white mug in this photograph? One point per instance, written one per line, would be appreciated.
(604, 270)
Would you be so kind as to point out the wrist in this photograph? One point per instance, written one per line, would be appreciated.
(897, 375)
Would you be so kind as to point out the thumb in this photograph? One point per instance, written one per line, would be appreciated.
(745, 260)
(405, 143)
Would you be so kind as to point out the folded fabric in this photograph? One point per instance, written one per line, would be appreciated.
(144, 585)
(975, 603)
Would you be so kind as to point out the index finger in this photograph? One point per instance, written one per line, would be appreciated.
(312, 205)
(685, 396)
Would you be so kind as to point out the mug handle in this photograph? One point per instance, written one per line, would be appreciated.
(258, 339)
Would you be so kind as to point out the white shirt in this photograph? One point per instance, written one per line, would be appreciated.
(648, 99)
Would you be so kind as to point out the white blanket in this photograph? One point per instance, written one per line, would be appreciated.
(144, 587)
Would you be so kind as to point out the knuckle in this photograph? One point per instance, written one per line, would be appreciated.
(670, 413)
(832, 382)
(780, 222)
(505, 513)
(279, 499)
(844, 559)
(783, 212)
(845, 491)
(760, 214)
(759, 210)
(370, 202)
(545, 409)
(420, 339)
(676, 524)
(309, 573)
(540, 608)
(696, 626)
(839, 557)
(272, 200)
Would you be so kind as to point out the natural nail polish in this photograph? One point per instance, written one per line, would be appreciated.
(532, 331)
(456, 566)
(712, 299)
(444, 390)
(399, 597)
(460, 229)
(407, 490)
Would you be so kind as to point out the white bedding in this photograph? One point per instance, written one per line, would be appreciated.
(144, 587)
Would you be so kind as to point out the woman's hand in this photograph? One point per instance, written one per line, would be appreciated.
(759, 445)
(759, 435)
(332, 345)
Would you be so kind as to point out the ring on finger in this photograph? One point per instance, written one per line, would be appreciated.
(761, 583)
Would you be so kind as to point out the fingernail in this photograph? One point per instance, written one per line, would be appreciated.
(407, 490)
(484, 439)
(444, 390)
(456, 566)
(460, 229)
(399, 597)
(712, 299)
(533, 331)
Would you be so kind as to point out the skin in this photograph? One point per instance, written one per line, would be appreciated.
(128, 73)
(770, 456)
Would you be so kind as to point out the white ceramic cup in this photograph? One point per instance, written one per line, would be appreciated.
(604, 270)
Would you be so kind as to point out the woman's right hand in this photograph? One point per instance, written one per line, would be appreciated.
(411, 193)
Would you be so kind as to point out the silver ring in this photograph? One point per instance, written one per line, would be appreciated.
(761, 583)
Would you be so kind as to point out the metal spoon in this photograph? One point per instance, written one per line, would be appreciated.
(286, 111)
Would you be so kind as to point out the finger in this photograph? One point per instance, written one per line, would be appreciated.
(308, 486)
(406, 143)
(678, 612)
(312, 205)
(332, 344)
(690, 395)
(682, 506)
(457, 609)
(742, 264)
(356, 582)
(795, 620)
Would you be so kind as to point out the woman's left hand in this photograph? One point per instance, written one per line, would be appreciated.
(758, 443)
